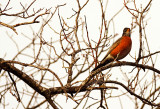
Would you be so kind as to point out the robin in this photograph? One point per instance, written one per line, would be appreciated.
(118, 50)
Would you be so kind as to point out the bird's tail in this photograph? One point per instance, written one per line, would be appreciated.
(103, 64)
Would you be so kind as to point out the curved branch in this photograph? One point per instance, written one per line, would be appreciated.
(110, 65)
(124, 63)
(28, 80)
(132, 93)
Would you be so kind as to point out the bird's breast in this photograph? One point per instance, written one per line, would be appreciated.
(123, 48)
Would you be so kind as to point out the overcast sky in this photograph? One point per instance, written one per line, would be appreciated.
(93, 15)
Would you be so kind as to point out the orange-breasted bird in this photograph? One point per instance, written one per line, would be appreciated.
(118, 50)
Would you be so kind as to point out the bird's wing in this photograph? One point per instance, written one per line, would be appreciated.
(107, 59)
(114, 45)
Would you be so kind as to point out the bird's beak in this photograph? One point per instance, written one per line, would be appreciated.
(128, 31)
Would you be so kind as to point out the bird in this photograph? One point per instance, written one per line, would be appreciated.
(118, 50)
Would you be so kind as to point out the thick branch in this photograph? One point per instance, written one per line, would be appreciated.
(123, 63)
(28, 80)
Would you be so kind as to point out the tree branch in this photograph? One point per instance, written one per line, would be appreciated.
(132, 93)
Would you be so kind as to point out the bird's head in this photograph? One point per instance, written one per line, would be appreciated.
(126, 32)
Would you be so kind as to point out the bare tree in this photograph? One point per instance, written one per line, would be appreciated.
(59, 65)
